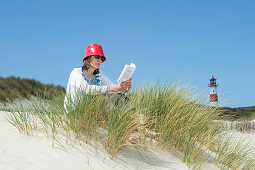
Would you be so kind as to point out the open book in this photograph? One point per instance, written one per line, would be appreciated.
(126, 73)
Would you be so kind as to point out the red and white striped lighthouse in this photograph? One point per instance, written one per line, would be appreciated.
(213, 92)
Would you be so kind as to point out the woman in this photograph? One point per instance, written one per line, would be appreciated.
(92, 80)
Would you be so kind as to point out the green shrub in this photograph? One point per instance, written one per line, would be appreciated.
(228, 113)
(12, 87)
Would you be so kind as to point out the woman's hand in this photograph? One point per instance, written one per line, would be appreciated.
(124, 87)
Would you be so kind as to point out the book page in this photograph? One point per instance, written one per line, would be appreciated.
(126, 73)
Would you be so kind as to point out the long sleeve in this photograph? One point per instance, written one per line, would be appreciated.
(105, 80)
(77, 83)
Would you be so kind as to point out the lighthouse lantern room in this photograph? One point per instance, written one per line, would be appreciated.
(213, 92)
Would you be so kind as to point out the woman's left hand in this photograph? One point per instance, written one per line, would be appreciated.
(124, 87)
(128, 85)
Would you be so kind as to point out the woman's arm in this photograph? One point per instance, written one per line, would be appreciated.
(122, 87)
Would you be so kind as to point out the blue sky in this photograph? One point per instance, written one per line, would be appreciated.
(184, 41)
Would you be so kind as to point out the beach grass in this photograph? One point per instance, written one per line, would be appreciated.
(180, 122)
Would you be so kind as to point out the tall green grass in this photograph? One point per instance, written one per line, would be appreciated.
(181, 123)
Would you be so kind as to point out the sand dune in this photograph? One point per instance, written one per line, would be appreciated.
(20, 151)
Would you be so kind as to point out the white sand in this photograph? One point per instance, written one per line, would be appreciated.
(248, 138)
(19, 151)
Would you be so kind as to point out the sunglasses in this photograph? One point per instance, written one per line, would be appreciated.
(101, 57)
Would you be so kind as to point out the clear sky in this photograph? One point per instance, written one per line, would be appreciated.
(172, 40)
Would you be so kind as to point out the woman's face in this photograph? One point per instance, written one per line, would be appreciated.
(95, 63)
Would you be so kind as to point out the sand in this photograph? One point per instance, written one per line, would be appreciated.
(35, 151)
(19, 151)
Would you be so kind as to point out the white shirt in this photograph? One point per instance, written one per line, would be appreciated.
(78, 82)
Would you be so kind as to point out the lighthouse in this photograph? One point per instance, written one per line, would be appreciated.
(213, 92)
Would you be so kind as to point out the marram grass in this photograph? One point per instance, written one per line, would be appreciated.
(180, 123)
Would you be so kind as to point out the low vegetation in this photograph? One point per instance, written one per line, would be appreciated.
(240, 113)
(179, 124)
(12, 88)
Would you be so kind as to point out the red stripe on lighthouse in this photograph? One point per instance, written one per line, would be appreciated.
(213, 98)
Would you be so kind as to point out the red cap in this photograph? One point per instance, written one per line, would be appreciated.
(94, 49)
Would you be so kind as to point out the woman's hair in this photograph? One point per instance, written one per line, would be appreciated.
(87, 65)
